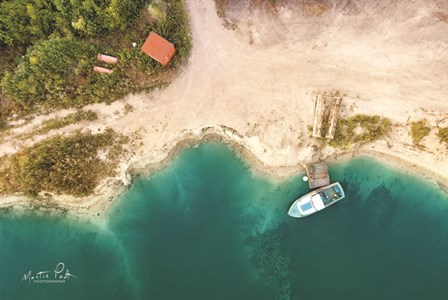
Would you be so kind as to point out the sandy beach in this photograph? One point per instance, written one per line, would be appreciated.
(254, 89)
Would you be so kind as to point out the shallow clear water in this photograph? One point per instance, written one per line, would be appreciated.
(206, 227)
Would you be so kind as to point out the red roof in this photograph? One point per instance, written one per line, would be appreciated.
(158, 48)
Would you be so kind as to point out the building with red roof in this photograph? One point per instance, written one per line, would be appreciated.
(158, 48)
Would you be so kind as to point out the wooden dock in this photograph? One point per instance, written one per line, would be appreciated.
(317, 175)
(324, 104)
(319, 111)
(334, 116)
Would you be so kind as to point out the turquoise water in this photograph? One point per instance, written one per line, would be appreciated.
(206, 227)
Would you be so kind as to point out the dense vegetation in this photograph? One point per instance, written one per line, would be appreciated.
(48, 49)
(419, 130)
(54, 73)
(24, 22)
(69, 165)
(360, 128)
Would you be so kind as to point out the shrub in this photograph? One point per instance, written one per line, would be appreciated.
(419, 130)
(371, 128)
(69, 165)
(443, 135)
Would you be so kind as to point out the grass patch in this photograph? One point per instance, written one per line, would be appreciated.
(71, 165)
(79, 116)
(221, 8)
(360, 129)
(53, 124)
(419, 130)
(315, 10)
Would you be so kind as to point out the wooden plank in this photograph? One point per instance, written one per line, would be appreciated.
(334, 116)
(319, 110)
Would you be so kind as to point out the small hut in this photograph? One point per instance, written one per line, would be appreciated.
(158, 48)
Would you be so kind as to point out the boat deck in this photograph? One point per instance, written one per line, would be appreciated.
(330, 195)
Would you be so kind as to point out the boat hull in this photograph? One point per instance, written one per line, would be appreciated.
(316, 200)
